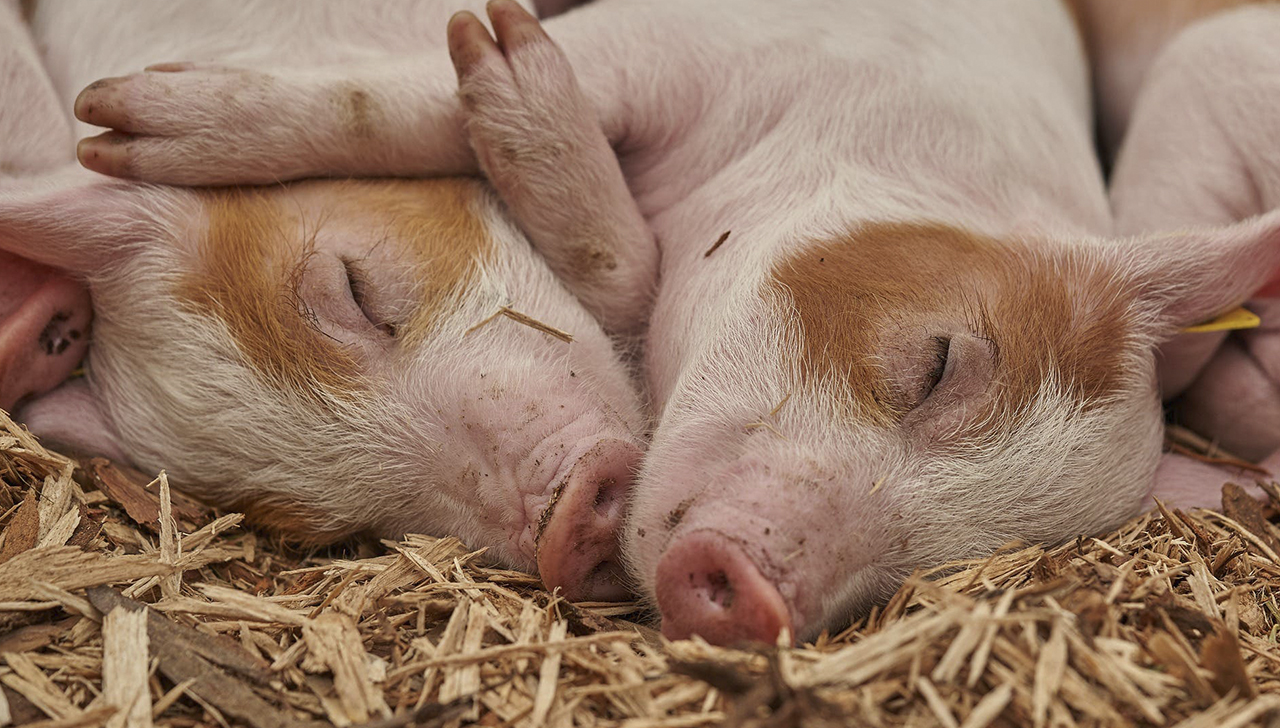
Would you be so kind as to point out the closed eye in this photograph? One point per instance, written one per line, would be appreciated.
(938, 366)
(358, 284)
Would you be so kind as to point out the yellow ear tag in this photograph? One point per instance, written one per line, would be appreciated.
(1240, 318)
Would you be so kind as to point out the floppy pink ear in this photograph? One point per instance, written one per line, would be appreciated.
(70, 417)
(72, 219)
(1183, 482)
(1191, 277)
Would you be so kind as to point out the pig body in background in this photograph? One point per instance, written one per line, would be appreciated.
(44, 315)
(915, 343)
(325, 355)
(1122, 40)
(1199, 148)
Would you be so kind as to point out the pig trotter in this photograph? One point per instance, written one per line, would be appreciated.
(539, 141)
(187, 123)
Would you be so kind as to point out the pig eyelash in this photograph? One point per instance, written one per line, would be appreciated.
(942, 347)
(979, 323)
(357, 282)
(308, 314)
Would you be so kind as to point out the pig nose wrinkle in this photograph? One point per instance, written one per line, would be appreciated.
(706, 585)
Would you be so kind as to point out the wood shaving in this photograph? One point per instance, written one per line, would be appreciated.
(129, 605)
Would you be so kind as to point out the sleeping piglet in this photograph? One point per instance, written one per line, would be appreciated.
(891, 326)
(326, 356)
(1193, 91)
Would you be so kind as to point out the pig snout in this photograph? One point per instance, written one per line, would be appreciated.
(44, 328)
(577, 541)
(708, 586)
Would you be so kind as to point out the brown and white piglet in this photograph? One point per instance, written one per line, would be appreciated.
(331, 357)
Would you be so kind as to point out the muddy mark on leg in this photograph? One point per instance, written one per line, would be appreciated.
(357, 111)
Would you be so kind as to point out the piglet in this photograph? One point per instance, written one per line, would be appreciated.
(1199, 148)
(330, 357)
(891, 327)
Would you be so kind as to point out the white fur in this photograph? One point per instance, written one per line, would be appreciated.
(791, 124)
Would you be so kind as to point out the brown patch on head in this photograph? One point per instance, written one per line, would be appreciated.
(857, 296)
(255, 248)
(436, 223)
(249, 255)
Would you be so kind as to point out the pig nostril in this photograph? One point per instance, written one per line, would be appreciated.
(717, 586)
(609, 498)
(709, 586)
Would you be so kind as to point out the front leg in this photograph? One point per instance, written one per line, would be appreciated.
(202, 124)
(539, 141)
(205, 124)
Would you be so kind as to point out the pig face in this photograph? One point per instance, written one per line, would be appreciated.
(324, 356)
(892, 398)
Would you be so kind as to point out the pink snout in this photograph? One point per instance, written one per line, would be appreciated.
(44, 328)
(707, 586)
(578, 546)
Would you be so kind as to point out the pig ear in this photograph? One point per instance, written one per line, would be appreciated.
(74, 220)
(1188, 278)
(1183, 482)
(70, 417)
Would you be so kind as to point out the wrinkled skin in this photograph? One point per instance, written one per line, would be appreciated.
(917, 341)
(324, 356)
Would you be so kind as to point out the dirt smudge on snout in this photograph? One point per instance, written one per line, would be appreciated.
(676, 515)
(547, 513)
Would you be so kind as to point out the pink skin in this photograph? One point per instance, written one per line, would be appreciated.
(500, 434)
(755, 485)
(1200, 149)
(468, 444)
(708, 586)
(569, 195)
(44, 328)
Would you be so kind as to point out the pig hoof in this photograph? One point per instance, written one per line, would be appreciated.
(471, 47)
(105, 154)
(707, 586)
(578, 547)
(187, 123)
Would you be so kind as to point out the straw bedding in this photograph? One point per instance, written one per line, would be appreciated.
(122, 603)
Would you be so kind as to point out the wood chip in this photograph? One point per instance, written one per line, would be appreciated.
(1170, 619)
(124, 668)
